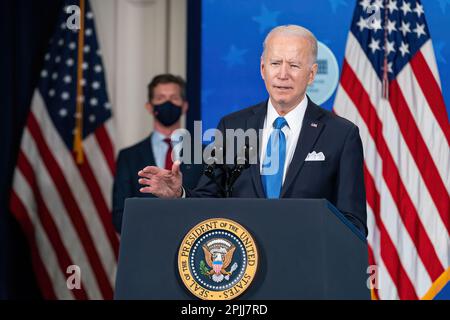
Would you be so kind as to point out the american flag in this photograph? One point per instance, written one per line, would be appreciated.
(390, 88)
(62, 185)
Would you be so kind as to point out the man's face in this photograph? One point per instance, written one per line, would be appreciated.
(287, 69)
(164, 92)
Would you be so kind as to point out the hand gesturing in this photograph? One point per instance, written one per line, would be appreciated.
(161, 182)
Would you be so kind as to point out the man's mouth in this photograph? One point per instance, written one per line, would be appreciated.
(283, 88)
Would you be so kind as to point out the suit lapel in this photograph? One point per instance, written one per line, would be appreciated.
(144, 157)
(256, 121)
(311, 129)
(146, 152)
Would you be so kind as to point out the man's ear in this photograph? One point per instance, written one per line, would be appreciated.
(313, 73)
(149, 107)
(262, 66)
(185, 107)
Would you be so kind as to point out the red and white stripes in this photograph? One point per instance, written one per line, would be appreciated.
(407, 176)
(65, 208)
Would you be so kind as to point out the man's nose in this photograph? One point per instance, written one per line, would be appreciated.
(283, 74)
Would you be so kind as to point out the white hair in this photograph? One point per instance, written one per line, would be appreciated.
(297, 31)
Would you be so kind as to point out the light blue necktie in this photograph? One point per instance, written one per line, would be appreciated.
(273, 164)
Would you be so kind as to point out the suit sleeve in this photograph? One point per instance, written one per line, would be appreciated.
(121, 190)
(205, 187)
(351, 194)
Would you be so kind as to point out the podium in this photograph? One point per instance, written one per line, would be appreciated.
(307, 248)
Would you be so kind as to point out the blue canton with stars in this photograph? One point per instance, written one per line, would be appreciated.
(406, 28)
(58, 83)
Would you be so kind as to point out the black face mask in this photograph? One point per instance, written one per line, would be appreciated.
(167, 113)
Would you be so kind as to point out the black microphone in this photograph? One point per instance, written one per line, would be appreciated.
(242, 163)
(213, 162)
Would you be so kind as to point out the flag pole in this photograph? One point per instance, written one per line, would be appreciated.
(78, 137)
(385, 90)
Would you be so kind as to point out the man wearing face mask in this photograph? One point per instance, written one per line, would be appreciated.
(166, 103)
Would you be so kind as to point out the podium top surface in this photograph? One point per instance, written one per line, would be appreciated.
(226, 202)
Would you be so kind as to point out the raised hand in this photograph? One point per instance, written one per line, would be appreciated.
(161, 182)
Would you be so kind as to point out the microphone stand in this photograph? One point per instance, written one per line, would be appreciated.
(232, 175)
(212, 163)
(210, 173)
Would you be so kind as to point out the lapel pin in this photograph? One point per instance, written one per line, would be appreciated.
(313, 124)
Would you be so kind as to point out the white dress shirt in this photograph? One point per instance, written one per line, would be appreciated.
(294, 119)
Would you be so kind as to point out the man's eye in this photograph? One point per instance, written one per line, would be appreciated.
(295, 66)
(275, 63)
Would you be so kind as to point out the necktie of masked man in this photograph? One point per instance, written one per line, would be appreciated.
(273, 164)
(168, 163)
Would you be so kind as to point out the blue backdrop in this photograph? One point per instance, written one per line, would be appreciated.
(233, 32)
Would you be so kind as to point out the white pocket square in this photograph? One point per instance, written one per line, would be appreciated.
(314, 156)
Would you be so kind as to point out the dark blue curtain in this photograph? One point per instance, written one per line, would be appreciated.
(25, 29)
(194, 56)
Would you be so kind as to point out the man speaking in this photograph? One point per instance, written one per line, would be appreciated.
(320, 154)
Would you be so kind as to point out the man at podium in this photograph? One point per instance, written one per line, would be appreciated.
(319, 154)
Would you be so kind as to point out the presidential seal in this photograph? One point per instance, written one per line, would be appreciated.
(217, 259)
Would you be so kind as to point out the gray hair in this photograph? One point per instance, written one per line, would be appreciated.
(294, 30)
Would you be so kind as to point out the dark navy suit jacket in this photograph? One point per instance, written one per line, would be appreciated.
(129, 162)
(339, 178)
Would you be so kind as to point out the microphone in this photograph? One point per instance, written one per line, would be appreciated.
(212, 163)
(242, 163)
(229, 175)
